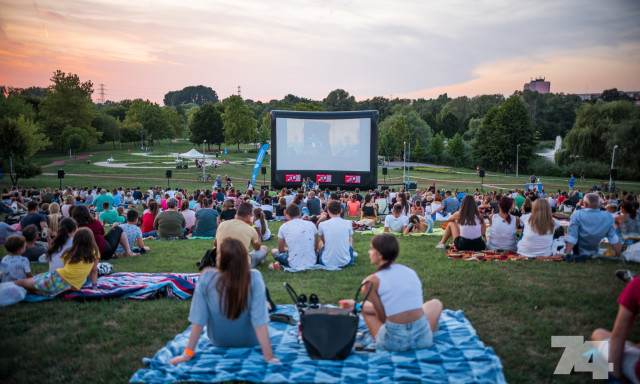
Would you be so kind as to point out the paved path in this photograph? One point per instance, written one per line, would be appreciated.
(63, 162)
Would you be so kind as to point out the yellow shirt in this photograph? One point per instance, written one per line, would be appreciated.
(76, 274)
(238, 230)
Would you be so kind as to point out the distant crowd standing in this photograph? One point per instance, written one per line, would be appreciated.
(66, 228)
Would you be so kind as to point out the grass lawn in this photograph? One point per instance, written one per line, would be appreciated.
(515, 307)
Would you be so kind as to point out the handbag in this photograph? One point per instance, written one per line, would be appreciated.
(328, 333)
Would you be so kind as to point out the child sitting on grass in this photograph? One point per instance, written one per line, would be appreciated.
(80, 262)
(14, 265)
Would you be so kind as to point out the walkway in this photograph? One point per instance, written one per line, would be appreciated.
(58, 163)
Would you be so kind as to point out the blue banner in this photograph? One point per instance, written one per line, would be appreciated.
(256, 167)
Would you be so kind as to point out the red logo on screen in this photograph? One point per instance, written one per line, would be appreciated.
(352, 179)
(293, 178)
(323, 178)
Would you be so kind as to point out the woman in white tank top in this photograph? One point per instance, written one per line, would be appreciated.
(503, 233)
(394, 312)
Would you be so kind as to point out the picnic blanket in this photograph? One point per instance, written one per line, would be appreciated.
(457, 356)
(380, 231)
(133, 285)
(497, 256)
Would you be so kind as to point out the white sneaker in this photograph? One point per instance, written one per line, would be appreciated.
(440, 246)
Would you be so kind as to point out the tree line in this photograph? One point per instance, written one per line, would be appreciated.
(484, 130)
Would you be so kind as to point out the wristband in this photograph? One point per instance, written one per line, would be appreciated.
(188, 352)
(94, 285)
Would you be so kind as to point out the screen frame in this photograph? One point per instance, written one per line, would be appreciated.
(368, 179)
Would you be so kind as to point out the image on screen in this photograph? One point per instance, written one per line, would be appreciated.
(331, 145)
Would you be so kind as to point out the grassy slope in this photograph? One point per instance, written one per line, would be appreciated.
(515, 307)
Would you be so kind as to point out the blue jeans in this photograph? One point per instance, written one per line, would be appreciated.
(405, 337)
(351, 262)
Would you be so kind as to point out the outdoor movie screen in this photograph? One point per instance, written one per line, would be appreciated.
(331, 144)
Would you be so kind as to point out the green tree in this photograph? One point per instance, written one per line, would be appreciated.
(418, 151)
(448, 124)
(117, 110)
(502, 129)
(198, 94)
(68, 103)
(109, 126)
(474, 125)
(436, 147)
(20, 139)
(264, 132)
(339, 100)
(461, 108)
(312, 106)
(14, 106)
(150, 118)
(598, 128)
(175, 121)
(238, 123)
(206, 124)
(456, 148)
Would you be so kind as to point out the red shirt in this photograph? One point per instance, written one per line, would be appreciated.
(147, 222)
(98, 234)
(630, 299)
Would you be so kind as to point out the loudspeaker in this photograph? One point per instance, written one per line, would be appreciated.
(384, 170)
(60, 173)
(614, 174)
(412, 185)
(168, 173)
(264, 170)
(481, 172)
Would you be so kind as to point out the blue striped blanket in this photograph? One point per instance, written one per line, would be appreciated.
(457, 356)
(134, 285)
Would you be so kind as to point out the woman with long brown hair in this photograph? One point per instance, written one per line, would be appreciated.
(539, 226)
(231, 301)
(466, 227)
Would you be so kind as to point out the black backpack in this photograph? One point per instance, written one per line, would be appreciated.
(208, 260)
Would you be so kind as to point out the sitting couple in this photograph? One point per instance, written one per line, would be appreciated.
(301, 245)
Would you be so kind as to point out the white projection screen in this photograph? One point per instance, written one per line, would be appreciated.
(332, 147)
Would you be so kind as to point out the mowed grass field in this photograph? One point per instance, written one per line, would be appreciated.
(514, 306)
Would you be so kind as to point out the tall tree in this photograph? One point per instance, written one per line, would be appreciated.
(264, 132)
(109, 126)
(238, 122)
(20, 139)
(502, 129)
(206, 124)
(198, 94)
(312, 106)
(339, 100)
(68, 103)
(448, 124)
(436, 147)
(150, 118)
(456, 148)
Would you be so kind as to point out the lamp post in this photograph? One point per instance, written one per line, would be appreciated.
(203, 157)
(517, 158)
(404, 161)
(612, 155)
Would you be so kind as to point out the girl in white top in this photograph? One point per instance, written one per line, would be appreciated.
(260, 223)
(537, 235)
(503, 233)
(394, 312)
(466, 227)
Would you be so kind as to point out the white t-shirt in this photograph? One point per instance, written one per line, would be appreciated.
(300, 238)
(336, 233)
(267, 232)
(533, 244)
(395, 224)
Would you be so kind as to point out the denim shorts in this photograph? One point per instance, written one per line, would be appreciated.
(405, 337)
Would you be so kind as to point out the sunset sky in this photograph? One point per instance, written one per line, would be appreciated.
(143, 49)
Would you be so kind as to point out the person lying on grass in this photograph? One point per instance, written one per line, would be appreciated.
(231, 301)
(418, 224)
(466, 227)
(395, 314)
(80, 262)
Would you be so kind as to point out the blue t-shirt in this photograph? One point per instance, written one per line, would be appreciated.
(223, 332)
(451, 205)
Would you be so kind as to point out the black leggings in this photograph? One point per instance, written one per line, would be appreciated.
(111, 239)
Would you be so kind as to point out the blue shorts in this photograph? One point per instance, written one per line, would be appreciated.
(405, 337)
